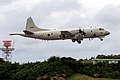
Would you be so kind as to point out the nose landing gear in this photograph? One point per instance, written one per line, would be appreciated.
(101, 39)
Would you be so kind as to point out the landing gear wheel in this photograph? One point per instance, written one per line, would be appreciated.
(101, 39)
(73, 40)
(79, 41)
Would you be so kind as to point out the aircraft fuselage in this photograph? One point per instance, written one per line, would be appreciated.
(32, 31)
(56, 34)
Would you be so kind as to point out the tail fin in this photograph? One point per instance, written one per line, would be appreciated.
(30, 26)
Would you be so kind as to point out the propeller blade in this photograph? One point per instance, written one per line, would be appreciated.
(82, 32)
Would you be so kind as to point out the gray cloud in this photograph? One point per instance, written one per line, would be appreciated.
(15, 19)
(54, 14)
(4, 2)
(109, 16)
(40, 12)
(47, 9)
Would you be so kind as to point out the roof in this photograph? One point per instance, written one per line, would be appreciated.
(106, 59)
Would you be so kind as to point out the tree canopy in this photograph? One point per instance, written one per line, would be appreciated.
(56, 67)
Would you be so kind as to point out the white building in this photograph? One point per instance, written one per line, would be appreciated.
(105, 60)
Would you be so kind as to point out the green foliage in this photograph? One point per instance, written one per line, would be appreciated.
(56, 66)
(2, 60)
(7, 70)
(85, 77)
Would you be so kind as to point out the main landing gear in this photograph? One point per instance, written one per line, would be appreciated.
(79, 41)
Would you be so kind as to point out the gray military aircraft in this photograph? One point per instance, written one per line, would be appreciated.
(76, 35)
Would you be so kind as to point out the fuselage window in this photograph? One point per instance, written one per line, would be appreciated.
(48, 35)
(51, 33)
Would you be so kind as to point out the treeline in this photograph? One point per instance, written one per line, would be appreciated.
(56, 67)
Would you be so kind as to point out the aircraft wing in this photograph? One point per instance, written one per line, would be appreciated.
(66, 33)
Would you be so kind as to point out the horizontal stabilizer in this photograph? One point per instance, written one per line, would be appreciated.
(15, 34)
(28, 32)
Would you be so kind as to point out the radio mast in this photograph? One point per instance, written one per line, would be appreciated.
(7, 49)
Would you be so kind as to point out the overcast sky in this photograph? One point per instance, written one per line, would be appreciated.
(60, 14)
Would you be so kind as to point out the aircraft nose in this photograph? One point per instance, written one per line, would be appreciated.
(107, 32)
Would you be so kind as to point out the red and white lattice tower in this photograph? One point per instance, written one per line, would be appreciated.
(7, 49)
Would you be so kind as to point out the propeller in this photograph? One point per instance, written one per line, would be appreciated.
(82, 32)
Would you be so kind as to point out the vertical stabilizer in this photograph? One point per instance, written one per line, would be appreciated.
(30, 26)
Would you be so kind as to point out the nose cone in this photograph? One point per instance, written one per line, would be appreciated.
(107, 32)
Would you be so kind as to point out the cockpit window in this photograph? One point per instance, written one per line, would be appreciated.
(101, 29)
